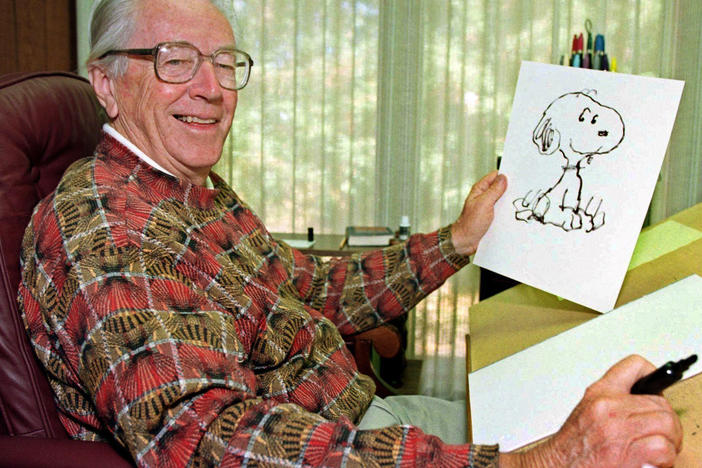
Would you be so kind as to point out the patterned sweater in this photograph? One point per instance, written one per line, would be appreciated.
(169, 319)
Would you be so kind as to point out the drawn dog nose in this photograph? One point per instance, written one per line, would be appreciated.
(603, 133)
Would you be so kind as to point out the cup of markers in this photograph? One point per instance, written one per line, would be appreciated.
(590, 54)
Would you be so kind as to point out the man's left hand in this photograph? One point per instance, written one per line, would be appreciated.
(477, 213)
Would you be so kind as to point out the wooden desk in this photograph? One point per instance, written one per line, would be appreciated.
(523, 316)
(326, 245)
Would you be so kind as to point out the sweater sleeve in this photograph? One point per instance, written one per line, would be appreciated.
(361, 291)
(165, 370)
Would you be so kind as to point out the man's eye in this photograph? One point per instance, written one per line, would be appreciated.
(177, 62)
(226, 67)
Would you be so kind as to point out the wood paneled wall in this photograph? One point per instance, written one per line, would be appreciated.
(37, 35)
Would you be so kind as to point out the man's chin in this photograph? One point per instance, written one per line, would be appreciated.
(202, 166)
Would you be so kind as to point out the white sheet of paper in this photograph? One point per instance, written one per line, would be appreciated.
(579, 247)
(299, 243)
(529, 395)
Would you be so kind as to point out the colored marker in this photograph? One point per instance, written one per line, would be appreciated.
(573, 49)
(576, 60)
(599, 57)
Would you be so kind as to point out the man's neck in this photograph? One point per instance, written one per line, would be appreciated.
(110, 130)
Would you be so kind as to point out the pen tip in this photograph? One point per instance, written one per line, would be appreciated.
(686, 363)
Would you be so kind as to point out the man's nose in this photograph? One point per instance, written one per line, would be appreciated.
(603, 133)
(205, 82)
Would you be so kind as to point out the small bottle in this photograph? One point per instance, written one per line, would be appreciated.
(404, 231)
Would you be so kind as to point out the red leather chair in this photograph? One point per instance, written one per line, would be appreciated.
(47, 121)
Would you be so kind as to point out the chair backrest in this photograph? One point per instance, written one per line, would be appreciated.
(47, 121)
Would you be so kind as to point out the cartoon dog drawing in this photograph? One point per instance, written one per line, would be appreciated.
(578, 128)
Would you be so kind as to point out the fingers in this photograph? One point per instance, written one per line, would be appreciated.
(477, 213)
(485, 182)
(650, 426)
(611, 427)
(626, 372)
(619, 380)
(620, 430)
(650, 421)
(655, 451)
(493, 185)
(497, 188)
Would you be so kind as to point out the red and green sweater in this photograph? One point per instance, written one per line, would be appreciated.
(169, 319)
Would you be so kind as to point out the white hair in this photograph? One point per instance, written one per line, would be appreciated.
(112, 25)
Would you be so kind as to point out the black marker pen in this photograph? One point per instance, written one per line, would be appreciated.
(663, 377)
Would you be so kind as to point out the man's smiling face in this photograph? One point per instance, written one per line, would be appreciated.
(181, 126)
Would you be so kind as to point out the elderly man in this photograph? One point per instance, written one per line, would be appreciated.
(169, 320)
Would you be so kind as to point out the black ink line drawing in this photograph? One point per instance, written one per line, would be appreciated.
(577, 127)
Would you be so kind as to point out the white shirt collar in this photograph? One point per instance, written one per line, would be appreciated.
(132, 147)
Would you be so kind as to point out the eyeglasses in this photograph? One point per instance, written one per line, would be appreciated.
(177, 62)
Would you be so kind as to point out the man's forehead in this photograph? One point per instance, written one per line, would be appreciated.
(195, 21)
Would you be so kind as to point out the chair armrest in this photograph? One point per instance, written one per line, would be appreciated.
(386, 341)
(32, 452)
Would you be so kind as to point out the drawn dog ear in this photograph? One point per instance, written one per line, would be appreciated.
(546, 137)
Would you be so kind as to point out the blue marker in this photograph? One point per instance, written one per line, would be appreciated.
(599, 56)
(599, 43)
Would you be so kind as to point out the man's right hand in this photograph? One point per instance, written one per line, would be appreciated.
(610, 428)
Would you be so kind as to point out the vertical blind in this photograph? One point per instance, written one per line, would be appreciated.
(301, 149)
(361, 111)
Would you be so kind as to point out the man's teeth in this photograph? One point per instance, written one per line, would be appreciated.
(192, 119)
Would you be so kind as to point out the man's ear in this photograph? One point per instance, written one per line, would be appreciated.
(104, 89)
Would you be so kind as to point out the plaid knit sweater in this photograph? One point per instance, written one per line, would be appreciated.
(167, 318)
